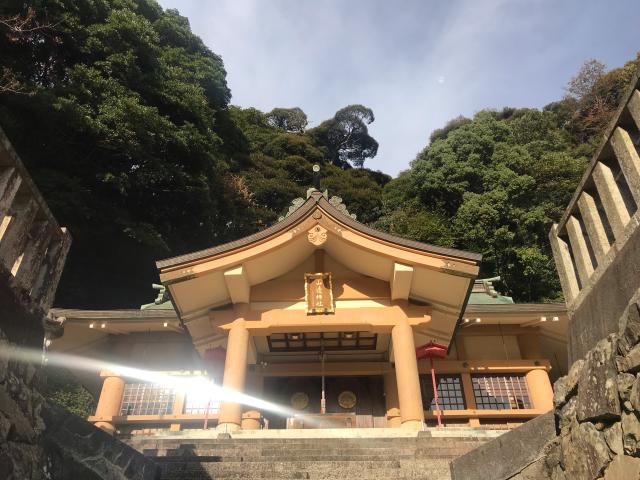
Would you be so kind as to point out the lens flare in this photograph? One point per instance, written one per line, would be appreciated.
(199, 387)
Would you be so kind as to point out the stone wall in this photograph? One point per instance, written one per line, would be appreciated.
(597, 420)
(605, 297)
(37, 440)
(21, 422)
(597, 406)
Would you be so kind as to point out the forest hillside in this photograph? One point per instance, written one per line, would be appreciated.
(125, 120)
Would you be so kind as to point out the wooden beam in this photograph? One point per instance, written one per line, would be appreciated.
(238, 284)
(401, 281)
(319, 260)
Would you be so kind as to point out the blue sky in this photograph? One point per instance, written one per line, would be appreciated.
(417, 63)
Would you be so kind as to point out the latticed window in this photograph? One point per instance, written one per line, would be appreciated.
(197, 405)
(450, 393)
(500, 392)
(147, 399)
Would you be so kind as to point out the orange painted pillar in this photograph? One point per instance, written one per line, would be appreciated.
(409, 396)
(251, 417)
(235, 370)
(540, 389)
(109, 403)
(391, 400)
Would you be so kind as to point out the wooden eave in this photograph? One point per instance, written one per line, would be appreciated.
(315, 200)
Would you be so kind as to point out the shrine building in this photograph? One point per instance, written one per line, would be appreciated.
(342, 324)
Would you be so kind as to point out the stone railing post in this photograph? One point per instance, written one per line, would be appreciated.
(564, 265)
(611, 198)
(594, 226)
(580, 250)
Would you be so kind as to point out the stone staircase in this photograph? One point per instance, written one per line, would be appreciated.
(416, 457)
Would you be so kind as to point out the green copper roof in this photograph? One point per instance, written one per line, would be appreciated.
(484, 299)
(161, 302)
(484, 293)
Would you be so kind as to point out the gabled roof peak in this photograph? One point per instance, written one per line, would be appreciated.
(335, 201)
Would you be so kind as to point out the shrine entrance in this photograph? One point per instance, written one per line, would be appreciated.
(350, 401)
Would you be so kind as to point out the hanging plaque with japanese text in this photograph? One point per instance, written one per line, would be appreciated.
(318, 293)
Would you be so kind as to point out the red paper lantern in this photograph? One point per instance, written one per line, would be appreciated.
(431, 350)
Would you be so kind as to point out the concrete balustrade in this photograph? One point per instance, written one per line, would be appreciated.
(33, 247)
(611, 197)
(627, 156)
(583, 239)
(594, 226)
(581, 255)
(564, 265)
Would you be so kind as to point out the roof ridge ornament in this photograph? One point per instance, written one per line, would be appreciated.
(336, 202)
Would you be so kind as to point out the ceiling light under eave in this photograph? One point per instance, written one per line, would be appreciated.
(165, 324)
(555, 319)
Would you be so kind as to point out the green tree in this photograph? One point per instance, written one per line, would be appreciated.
(345, 137)
(63, 388)
(491, 185)
(288, 119)
(126, 131)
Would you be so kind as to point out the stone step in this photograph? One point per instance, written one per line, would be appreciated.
(306, 443)
(306, 458)
(268, 455)
(317, 470)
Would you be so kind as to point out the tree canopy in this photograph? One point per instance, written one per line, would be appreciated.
(345, 138)
(123, 118)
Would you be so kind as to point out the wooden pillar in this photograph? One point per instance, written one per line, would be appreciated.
(564, 265)
(406, 365)
(251, 416)
(318, 257)
(579, 249)
(391, 400)
(178, 408)
(540, 390)
(628, 159)
(611, 198)
(235, 369)
(109, 403)
(594, 226)
(469, 398)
